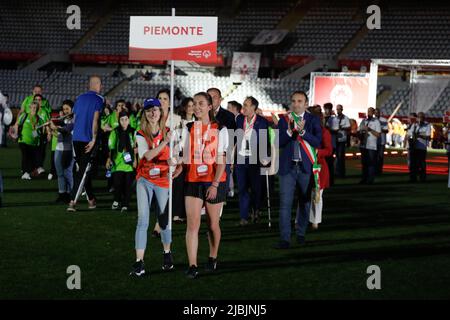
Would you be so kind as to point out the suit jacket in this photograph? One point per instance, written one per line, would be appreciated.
(226, 118)
(313, 135)
(260, 123)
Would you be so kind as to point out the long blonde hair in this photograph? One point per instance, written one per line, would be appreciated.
(147, 127)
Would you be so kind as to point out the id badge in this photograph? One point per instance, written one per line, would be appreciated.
(34, 133)
(155, 173)
(202, 170)
(127, 157)
(247, 150)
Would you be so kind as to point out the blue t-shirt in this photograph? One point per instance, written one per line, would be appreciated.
(85, 107)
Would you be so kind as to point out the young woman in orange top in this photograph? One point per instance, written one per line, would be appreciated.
(204, 157)
(152, 180)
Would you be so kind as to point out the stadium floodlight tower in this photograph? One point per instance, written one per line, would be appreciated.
(425, 89)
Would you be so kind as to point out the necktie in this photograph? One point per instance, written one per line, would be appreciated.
(297, 153)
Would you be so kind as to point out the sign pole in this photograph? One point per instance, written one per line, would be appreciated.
(172, 106)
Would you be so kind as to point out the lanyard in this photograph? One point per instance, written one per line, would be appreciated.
(249, 126)
(154, 145)
(204, 138)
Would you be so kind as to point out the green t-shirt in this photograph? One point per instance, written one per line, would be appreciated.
(118, 156)
(104, 120)
(133, 121)
(54, 142)
(44, 115)
(28, 100)
(29, 135)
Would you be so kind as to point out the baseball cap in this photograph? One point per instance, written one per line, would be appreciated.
(151, 102)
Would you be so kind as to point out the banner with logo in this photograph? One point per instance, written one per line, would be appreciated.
(245, 66)
(351, 90)
(173, 38)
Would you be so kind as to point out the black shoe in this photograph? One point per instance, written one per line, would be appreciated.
(282, 245)
(156, 234)
(255, 216)
(211, 266)
(167, 261)
(192, 272)
(138, 269)
(301, 240)
(67, 197)
(61, 198)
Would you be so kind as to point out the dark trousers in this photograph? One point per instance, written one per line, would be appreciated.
(368, 161)
(340, 159)
(380, 159)
(42, 151)
(249, 178)
(123, 182)
(178, 204)
(29, 154)
(418, 164)
(82, 159)
(330, 163)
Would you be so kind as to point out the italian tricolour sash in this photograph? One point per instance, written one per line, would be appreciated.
(311, 152)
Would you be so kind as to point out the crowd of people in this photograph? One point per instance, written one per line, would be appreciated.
(203, 153)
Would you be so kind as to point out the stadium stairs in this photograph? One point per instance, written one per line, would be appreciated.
(362, 32)
(108, 9)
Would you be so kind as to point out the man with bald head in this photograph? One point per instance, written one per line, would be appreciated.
(86, 111)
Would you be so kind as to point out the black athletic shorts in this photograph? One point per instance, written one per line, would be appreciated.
(198, 190)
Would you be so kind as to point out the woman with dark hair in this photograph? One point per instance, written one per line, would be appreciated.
(186, 111)
(122, 161)
(324, 151)
(204, 156)
(64, 153)
(163, 96)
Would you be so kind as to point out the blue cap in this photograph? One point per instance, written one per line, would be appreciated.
(151, 102)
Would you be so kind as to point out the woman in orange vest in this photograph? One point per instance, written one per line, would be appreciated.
(204, 157)
(152, 180)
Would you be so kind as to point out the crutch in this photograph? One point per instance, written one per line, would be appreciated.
(268, 198)
(83, 179)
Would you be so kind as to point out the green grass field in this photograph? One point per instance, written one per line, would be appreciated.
(403, 228)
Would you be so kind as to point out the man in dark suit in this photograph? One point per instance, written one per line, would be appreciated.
(249, 162)
(298, 131)
(226, 119)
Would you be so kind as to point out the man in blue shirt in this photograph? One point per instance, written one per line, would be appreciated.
(86, 111)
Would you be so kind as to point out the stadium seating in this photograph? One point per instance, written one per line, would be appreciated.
(407, 32)
(40, 26)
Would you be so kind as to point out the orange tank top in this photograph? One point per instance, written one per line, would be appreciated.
(154, 170)
(204, 142)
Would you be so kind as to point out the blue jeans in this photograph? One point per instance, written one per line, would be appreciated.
(144, 192)
(65, 175)
(288, 183)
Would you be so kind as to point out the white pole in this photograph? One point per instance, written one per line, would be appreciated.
(172, 74)
(373, 79)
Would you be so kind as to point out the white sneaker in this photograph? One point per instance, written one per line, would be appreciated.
(203, 211)
(50, 176)
(231, 194)
(124, 209)
(115, 205)
(40, 170)
(26, 176)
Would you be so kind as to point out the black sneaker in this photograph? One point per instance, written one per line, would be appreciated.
(301, 240)
(192, 272)
(211, 266)
(282, 245)
(167, 261)
(61, 198)
(138, 269)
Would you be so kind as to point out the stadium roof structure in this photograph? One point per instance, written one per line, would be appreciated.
(418, 64)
